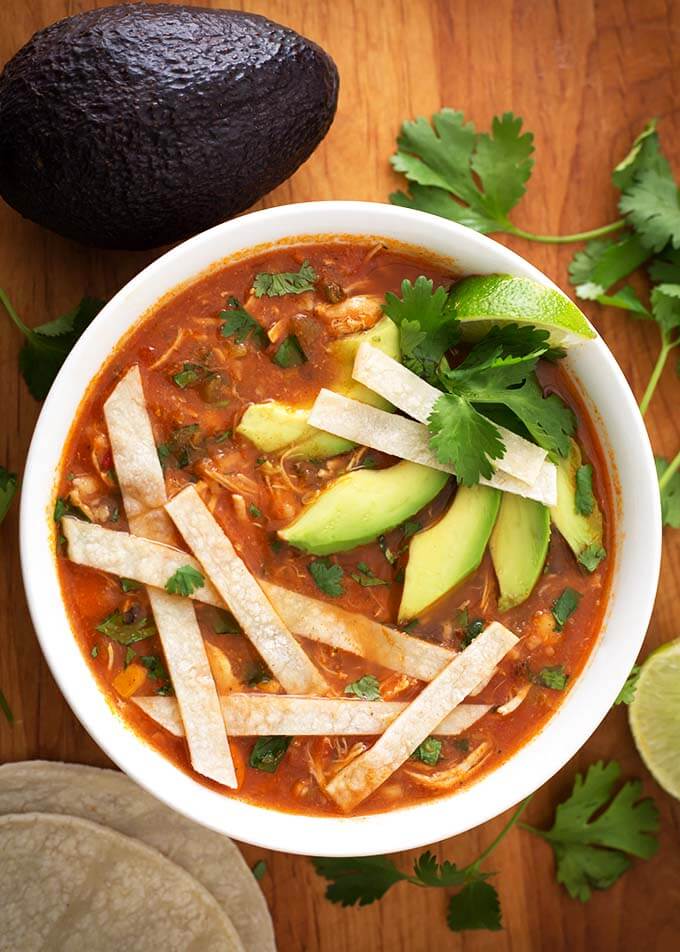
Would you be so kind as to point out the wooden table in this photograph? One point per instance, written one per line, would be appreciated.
(585, 75)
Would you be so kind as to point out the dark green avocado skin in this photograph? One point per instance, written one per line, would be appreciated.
(137, 125)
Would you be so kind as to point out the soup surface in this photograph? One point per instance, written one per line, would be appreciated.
(203, 366)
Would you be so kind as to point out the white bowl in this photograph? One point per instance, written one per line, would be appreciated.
(637, 556)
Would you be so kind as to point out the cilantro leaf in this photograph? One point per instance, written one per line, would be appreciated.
(8, 487)
(594, 833)
(476, 906)
(428, 871)
(429, 752)
(6, 709)
(268, 752)
(366, 577)
(603, 262)
(64, 507)
(463, 438)
(367, 688)
(652, 205)
(125, 628)
(584, 499)
(670, 495)
(327, 576)
(666, 307)
(285, 282)
(427, 324)
(180, 446)
(358, 879)
(289, 353)
(472, 630)
(441, 161)
(645, 153)
(259, 869)
(48, 345)
(553, 677)
(154, 665)
(665, 268)
(185, 581)
(564, 607)
(627, 692)
(241, 325)
(591, 556)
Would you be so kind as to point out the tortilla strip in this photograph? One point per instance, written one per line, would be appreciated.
(410, 440)
(245, 599)
(252, 715)
(416, 397)
(357, 634)
(143, 489)
(153, 563)
(363, 775)
(130, 556)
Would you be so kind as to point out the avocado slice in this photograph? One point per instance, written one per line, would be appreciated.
(582, 533)
(519, 546)
(137, 125)
(361, 505)
(442, 556)
(273, 426)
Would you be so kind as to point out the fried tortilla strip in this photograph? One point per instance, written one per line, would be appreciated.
(363, 775)
(331, 625)
(416, 397)
(143, 489)
(153, 563)
(243, 596)
(410, 440)
(252, 715)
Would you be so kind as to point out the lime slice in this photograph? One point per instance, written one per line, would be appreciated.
(490, 299)
(654, 716)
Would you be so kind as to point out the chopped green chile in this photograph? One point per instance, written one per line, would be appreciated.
(268, 752)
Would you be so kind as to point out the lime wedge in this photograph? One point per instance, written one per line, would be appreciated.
(654, 716)
(482, 301)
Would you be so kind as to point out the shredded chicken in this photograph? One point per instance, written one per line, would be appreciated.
(514, 702)
(223, 675)
(85, 494)
(394, 685)
(450, 776)
(181, 334)
(239, 504)
(354, 314)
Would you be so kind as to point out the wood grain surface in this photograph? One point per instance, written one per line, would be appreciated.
(586, 75)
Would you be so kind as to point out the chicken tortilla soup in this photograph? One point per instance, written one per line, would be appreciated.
(334, 529)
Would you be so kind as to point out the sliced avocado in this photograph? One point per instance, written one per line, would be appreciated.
(519, 545)
(273, 425)
(582, 533)
(361, 505)
(442, 556)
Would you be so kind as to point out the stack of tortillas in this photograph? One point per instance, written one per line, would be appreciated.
(92, 862)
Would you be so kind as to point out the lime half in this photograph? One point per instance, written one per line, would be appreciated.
(654, 716)
(482, 301)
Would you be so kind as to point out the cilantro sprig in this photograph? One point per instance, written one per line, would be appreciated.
(47, 346)
(427, 325)
(285, 282)
(362, 880)
(596, 831)
(185, 581)
(475, 178)
(241, 325)
(8, 487)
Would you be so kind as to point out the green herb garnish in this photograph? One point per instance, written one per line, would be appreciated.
(429, 752)
(627, 692)
(154, 665)
(367, 688)
(63, 507)
(259, 869)
(185, 581)
(427, 325)
(472, 629)
(241, 325)
(591, 556)
(180, 446)
(553, 677)
(268, 753)
(585, 501)
(125, 629)
(129, 585)
(6, 709)
(564, 607)
(328, 576)
(94, 651)
(8, 487)
(285, 282)
(189, 375)
(595, 833)
(47, 346)
(669, 484)
(289, 353)
(224, 623)
(254, 511)
(366, 577)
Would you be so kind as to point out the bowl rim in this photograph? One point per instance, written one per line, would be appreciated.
(531, 765)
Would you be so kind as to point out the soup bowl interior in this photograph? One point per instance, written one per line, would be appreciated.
(636, 503)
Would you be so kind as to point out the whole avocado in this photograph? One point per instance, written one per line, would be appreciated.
(137, 125)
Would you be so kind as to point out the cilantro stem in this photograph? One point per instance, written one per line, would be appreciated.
(567, 239)
(670, 471)
(7, 304)
(494, 843)
(667, 346)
